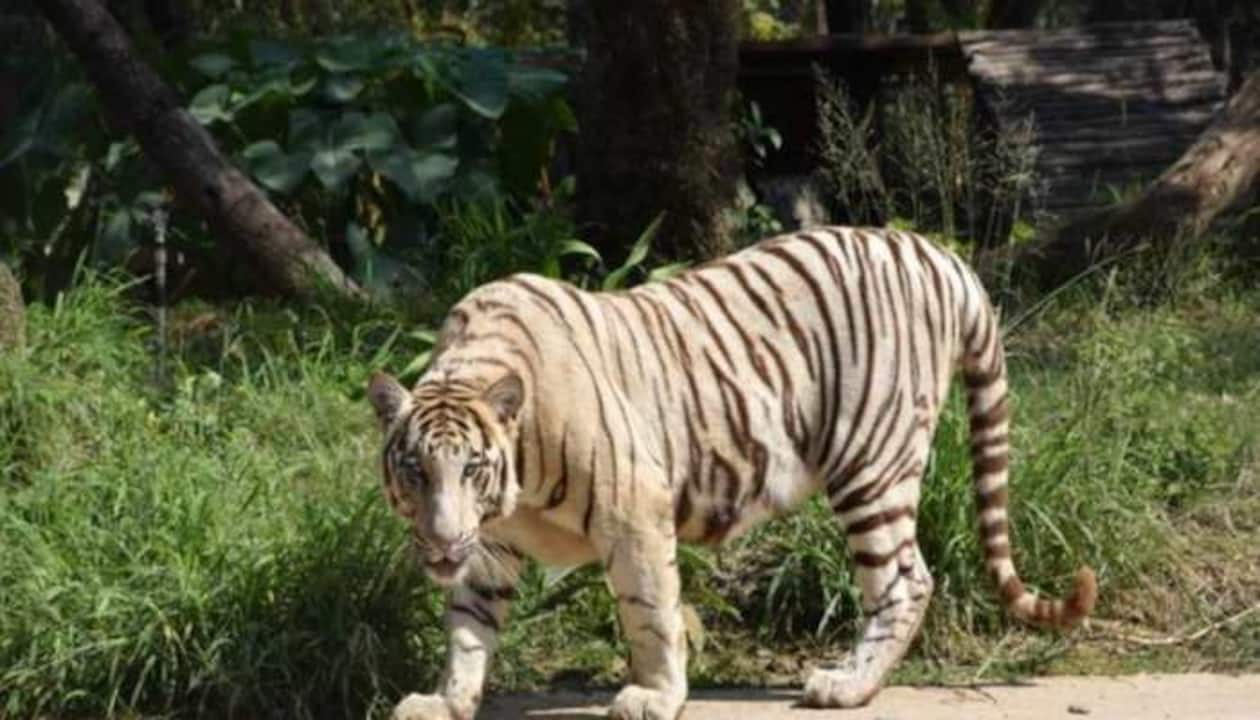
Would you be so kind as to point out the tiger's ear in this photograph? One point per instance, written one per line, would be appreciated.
(506, 396)
(388, 397)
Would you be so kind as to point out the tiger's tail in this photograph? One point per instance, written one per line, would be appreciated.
(984, 373)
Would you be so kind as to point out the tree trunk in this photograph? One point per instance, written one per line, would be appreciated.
(1013, 14)
(917, 16)
(238, 213)
(12, 311)
(1220, 172)
(654, 106)
(847, 16)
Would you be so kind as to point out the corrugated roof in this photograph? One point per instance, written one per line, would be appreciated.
(1111, 103)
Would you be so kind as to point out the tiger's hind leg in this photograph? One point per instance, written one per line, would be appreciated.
(896, 587)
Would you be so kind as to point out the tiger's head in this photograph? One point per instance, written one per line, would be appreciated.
(448, 461)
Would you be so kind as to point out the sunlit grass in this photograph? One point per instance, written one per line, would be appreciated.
(215, 542)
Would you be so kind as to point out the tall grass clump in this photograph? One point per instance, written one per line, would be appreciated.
(918, 156)
(217, 549)
(487, 238)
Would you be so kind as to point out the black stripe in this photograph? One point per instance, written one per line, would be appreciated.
(541, 449)
(478, 614)
(878, 520)
(925, 265)
(561, 488)
(632, 338)
(590, 494)
(960, 272)
(637, 600)
(577, 299)
(515, 320)
(876, 560)
(683, 356)
(697, 311)
(546, 300)
(848, 307)
(868, 380)
(490, 593)
(758, 365)
(650, 331)
(794, 328)
(990, 418)
(832, 393)
(787, 396)
(616, 347)
(980, 445)
(756, 298)
(668, 328)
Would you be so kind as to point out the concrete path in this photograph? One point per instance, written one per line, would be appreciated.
(1136, 697)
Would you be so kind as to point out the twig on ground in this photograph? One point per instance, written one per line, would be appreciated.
(1179, 639)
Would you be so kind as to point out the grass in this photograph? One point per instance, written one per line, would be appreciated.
(213, 547)
(215, 542)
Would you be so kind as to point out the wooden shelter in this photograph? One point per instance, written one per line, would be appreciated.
(1111, 104)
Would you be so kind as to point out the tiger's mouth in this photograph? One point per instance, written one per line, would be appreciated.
(445, 566)
(445, 571)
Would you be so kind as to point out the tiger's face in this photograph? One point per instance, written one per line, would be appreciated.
(448, 462)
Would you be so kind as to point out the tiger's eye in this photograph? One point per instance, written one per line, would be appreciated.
(471, 469)
(412, 470)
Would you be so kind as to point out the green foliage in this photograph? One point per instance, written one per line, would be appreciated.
(506, 23)
(358, 137)
(762, 21)
(210, 551)
(751, 220)
(760, 139)
(44, 179)
(373, 131)
(482, 240)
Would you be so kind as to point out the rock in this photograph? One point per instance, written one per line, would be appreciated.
(12, 311)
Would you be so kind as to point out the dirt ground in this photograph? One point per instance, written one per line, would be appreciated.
(1136, 697)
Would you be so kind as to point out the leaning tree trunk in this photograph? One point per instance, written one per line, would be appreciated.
(655, 108)
(238, 213)
(1219, 172)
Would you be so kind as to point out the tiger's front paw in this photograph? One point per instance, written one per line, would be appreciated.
(426, 707)
(639, 703)
(838, 688)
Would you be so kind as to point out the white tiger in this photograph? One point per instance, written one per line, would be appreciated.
(571, 426)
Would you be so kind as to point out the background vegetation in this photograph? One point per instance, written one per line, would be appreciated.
(191, 509)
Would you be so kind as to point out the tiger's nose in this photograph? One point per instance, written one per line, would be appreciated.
(456, 551)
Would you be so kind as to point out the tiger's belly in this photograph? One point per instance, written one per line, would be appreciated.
(709, 516)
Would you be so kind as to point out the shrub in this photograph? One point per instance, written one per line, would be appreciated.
(358, 137)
